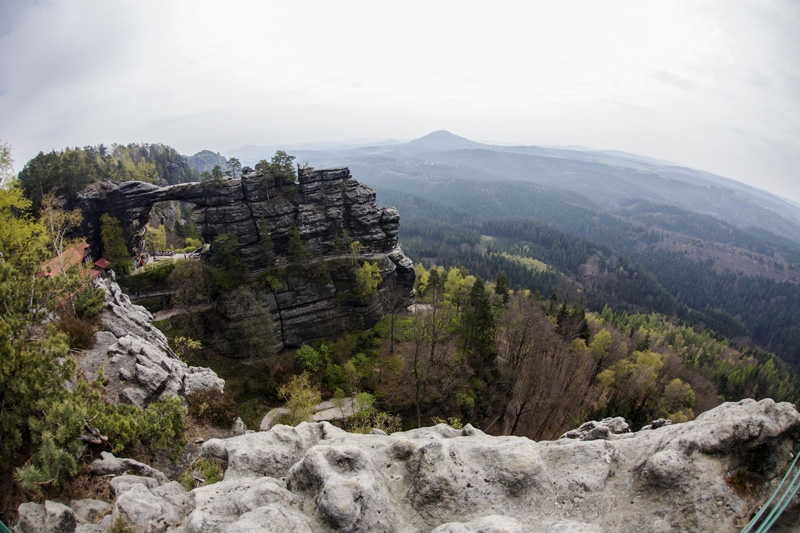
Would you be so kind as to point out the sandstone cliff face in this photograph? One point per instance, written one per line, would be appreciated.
(325, 205)
(317, 478)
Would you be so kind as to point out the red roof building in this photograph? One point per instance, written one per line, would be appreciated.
(74, 255)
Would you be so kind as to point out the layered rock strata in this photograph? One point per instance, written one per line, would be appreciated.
(328, 207)
(323, 205)
(317, 478)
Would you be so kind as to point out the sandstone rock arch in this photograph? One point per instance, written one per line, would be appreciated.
(323, 205)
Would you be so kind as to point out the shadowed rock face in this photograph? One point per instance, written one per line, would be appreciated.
(323, 205)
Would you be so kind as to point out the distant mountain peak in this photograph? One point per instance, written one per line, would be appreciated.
(442, 140)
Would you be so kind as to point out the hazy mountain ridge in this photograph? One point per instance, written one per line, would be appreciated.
(608, 177)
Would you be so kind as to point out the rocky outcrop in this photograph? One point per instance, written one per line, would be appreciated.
(317, 478)
(135, 356)
(323, 205)
(328, 207)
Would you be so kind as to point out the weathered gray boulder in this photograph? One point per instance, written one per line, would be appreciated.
(315, 477)
(604, 429)
(153, 510)
(222, 504)
(113, 466)
(52, 517)
(89, 511)
(135, 356)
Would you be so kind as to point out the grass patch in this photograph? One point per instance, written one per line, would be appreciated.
(252, 412)
(204, 471)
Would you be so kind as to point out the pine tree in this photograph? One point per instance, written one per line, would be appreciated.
(114, 247)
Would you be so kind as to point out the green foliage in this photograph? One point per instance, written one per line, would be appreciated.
(50, 464)
(120, 526)
(80, 332)
(265, 244)
(368, 278)
(453, 421)
(89, 302)
(225, 255)
(298, 252)
(282, 168)
(186, 348)
(160, 425)
(272, 282)
(214, 406)
(334, 376)
(301, 399)
(68, 171)
(477, 328)
(234, 165)
(155, 238)
(366, 417)
(22, 241)
(501, 287)
(59, 223)
(203, 471)
(114, 247)
(31, 376)
(308, 358)
(150, 276)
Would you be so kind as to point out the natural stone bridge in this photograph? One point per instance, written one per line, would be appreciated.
(326, 203)
(323, 205)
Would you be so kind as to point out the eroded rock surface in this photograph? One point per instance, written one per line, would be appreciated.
(136, 357)
(317, 478)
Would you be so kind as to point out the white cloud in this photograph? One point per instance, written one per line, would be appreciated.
(710, 86)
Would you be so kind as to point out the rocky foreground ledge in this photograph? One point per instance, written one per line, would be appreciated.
(706, 475)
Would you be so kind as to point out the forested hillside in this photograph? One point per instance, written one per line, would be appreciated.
(741, 283)
(68, 171)
(709, 250)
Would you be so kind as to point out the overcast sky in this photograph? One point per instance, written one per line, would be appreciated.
(710, 85)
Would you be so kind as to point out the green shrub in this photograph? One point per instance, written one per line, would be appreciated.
(150, 276)
(120, 526)
(272, 282)
(50, 464)
(334, 375)
(454, 422)
(205, 471)
(79, 332)
(89, 302)
(308, 358)
(161, 425)
(252, 411)
(301, 400)
(214, 406)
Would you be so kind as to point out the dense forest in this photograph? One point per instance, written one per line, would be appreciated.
(741, 283)
(68, 171)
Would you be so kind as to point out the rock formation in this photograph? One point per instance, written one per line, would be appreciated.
(326, 206)
(135, 356)
(706, 475)
(323, 205)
